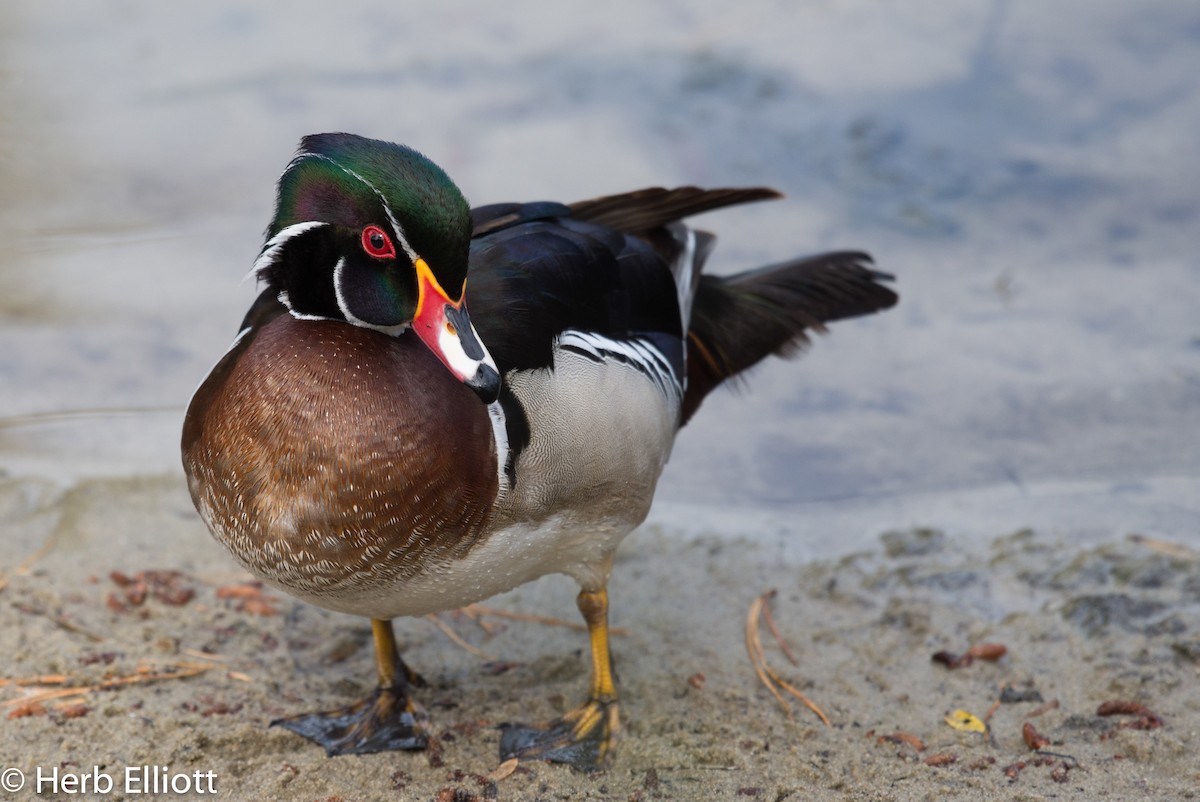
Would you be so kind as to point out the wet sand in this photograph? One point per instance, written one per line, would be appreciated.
(1082, 626)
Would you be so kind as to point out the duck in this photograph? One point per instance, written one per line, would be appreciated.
(429, 404)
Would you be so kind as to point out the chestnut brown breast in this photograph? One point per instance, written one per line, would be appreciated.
(329, 458)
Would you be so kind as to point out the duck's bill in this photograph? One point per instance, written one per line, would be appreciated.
(445, 327)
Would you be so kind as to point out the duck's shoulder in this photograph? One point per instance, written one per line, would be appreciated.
(538, 270)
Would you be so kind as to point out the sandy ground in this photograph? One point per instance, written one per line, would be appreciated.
(1082, 626)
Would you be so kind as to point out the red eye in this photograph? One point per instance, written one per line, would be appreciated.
(377, 243)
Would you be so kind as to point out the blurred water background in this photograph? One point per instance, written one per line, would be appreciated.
(1029, 171)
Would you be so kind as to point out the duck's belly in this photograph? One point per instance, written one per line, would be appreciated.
(507, 559)
(600, 434)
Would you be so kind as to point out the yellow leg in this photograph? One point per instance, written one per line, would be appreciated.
(593, 605)
(393, 672)
(387, 656)
(583, 737)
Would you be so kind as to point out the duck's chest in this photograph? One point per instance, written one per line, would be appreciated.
(329, 458)
(353, 471)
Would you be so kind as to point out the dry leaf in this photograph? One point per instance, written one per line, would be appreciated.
(1034, 739)
(504, 770)
(963, 721)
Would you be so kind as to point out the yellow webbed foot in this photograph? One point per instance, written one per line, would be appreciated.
(386, 720)
(583, 738)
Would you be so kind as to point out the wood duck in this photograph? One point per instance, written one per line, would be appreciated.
(369, 446)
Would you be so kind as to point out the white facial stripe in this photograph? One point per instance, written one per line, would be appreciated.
(399, 232)
(274, 246)
(339, 292)
(408, 249)
(286, 301)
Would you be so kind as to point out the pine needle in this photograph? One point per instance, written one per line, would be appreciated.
(1176, 551)
(22, 568)
(479, 609)
(58, 619)
(490, 628)
(770, 621)
(449, 632)
(204, 655)
(43, 679)
(143, 674)
(767, 675)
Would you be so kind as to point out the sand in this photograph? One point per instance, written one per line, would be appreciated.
(1081, 625)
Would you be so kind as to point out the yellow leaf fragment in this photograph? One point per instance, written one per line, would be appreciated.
(963, 721)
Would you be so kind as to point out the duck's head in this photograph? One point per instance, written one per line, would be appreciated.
(377, 235)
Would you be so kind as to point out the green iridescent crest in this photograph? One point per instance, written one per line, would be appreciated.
(348, 180)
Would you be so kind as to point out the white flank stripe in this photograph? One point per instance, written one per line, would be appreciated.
(641, 355)
(500, 434)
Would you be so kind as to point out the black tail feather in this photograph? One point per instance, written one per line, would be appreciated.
(739, 320)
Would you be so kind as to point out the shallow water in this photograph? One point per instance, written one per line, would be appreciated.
(1028, 172)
